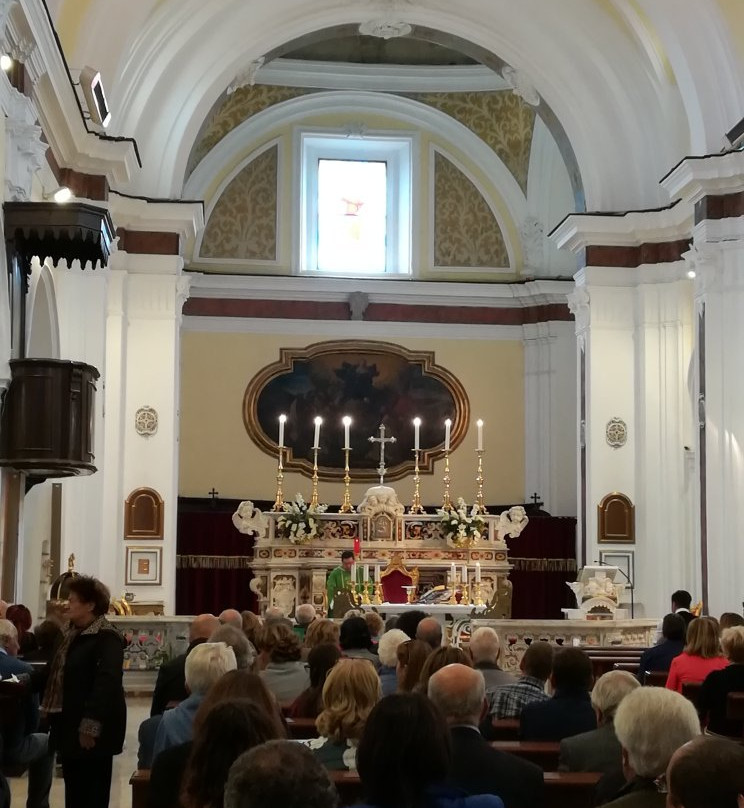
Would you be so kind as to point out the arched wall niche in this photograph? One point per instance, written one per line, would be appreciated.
(42, 323)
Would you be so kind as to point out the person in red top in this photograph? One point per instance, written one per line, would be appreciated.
(701, 655)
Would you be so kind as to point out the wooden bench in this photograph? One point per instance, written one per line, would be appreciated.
(140, 783)
(691, 691)
(656, 678)
(735, 706)
(543, 753)
(302, 728)
(502, 729)
(605, 663)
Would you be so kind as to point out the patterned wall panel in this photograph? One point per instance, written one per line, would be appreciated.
(500, 119)
(466, 231)
(243, 222)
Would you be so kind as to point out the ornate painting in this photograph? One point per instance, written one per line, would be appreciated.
(372, 382)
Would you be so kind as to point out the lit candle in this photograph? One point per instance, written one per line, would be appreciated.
(366, 572)
(477, 572)
(347, 424)
(464, 574)
(318, 422)
(377, 573)
(282, 421)
(479, 424)
(447, 428)
(416, 426)
(452, 571)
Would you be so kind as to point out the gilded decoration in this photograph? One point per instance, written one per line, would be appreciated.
(372, 382)
(243, 222)
(244, 103)
(500, 119)
(466, 231)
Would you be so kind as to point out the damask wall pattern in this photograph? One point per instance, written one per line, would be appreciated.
(466, 231)
(243, 223)
(500, 119)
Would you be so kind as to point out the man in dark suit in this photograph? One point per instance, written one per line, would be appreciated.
(681, 602)
(171, 683)
(570, 711)
(659, 657)
(460, 693)
(23, 745)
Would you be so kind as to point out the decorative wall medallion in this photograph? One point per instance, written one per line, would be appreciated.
(146, 421)
(617, 432)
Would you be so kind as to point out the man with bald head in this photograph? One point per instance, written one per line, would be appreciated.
(171, 682)
(460, 694)
(231, 617)
(429, 630)
(706, 773)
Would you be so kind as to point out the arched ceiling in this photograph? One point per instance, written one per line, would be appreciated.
(633, 84)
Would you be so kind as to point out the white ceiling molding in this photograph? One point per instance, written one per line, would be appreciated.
(184, 218)
(695, 177)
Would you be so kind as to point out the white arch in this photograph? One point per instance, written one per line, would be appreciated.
(42, 322)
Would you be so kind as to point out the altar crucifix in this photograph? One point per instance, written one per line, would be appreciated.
(382, 440)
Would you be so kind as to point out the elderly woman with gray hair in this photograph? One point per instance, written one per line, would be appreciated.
(387, 650)
(651, 724)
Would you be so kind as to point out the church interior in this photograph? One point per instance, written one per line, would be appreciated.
(525, 218)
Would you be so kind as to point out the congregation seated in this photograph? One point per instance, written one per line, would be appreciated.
(429, 630)
(404, 758)
(250, 623)
(569, 711)
(536, 666)
(408, 622)
(659, 657)
(23, 745)
(729, 620)
(171, 682)
(713, 697)
(599, 750)
(350, 692)
(485, 648)
(20, 616)
(284, 672)
(170, 765)
(319, 662)
(205, 664)
(387, 651)
(412, 656)
(231, 617)
(701, 654)
(320, 632)
(651, 723)
(446, 655)
(356, 641)
(245, 653)
(304, 616)
(48, 636)
(459, 692)
(258, 779)
(706, 773)
(375, 625)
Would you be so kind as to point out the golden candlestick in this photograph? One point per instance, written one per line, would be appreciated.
(453, 585)
(479, 480)
(446, 501)
(416, 506)
(314, 497)
(346, 507)
(465, 599)
(365, 594)
(377, 598)
(279, 501)
(478, 598)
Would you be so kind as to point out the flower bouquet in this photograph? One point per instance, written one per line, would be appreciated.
(462, 525)
(298, 521)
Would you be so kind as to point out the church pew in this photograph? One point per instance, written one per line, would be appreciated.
(302, 728)
(628, 667)
(656, 678)
(543, 753)
(603, 664)
(735, 706)
(691, 691)
(504, 729)
(140, 783)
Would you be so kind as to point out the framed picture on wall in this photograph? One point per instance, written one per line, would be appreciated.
(144, 566)
(623, 560)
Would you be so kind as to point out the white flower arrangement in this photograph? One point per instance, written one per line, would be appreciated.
(462, 525)
(298, 521)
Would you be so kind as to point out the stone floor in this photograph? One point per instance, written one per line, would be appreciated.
(138, 708)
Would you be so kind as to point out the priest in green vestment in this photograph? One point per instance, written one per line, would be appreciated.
(339, 578)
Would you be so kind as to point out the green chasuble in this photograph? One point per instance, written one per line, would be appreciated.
(338, 580)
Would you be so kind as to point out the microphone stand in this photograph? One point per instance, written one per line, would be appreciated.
(630, 585)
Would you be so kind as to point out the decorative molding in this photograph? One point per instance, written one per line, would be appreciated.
(358, 303)
(185, 218)
(532, 233)
(247, 76)
(146, 421)
(521, 85)
(578, 304)
(601, 255)
(695, 177)
(616, 433)
(385, 28)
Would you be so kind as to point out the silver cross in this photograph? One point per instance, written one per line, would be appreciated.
(382, 440)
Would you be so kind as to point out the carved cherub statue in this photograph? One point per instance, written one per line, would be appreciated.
(381, 498)
(249, 519)
(512, 522)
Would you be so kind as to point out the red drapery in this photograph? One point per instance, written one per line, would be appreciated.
(544, 558)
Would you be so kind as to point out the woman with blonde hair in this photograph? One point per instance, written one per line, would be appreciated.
(411, 657)
(321, 632)
(351, 690)
(702, 654)
(718, 684)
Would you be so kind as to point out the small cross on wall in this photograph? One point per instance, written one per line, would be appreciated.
(214, 495)
(535, 498)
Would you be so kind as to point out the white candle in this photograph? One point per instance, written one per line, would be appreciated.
(353, 573)
(282, 420)
(377, 573)
(318, 422)
(347, 424)
(452, 571)
(447, 428)
(479, 424)
(464, 574)
(477, 572)
(416, 426)
(366, 573)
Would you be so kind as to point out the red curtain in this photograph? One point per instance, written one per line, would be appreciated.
(544, 559)
(212, 571)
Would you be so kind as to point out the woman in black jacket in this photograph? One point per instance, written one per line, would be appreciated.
(84, 698)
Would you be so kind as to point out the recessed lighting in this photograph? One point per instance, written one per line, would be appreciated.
(690, 273)
(5, 62)
(62, 195)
